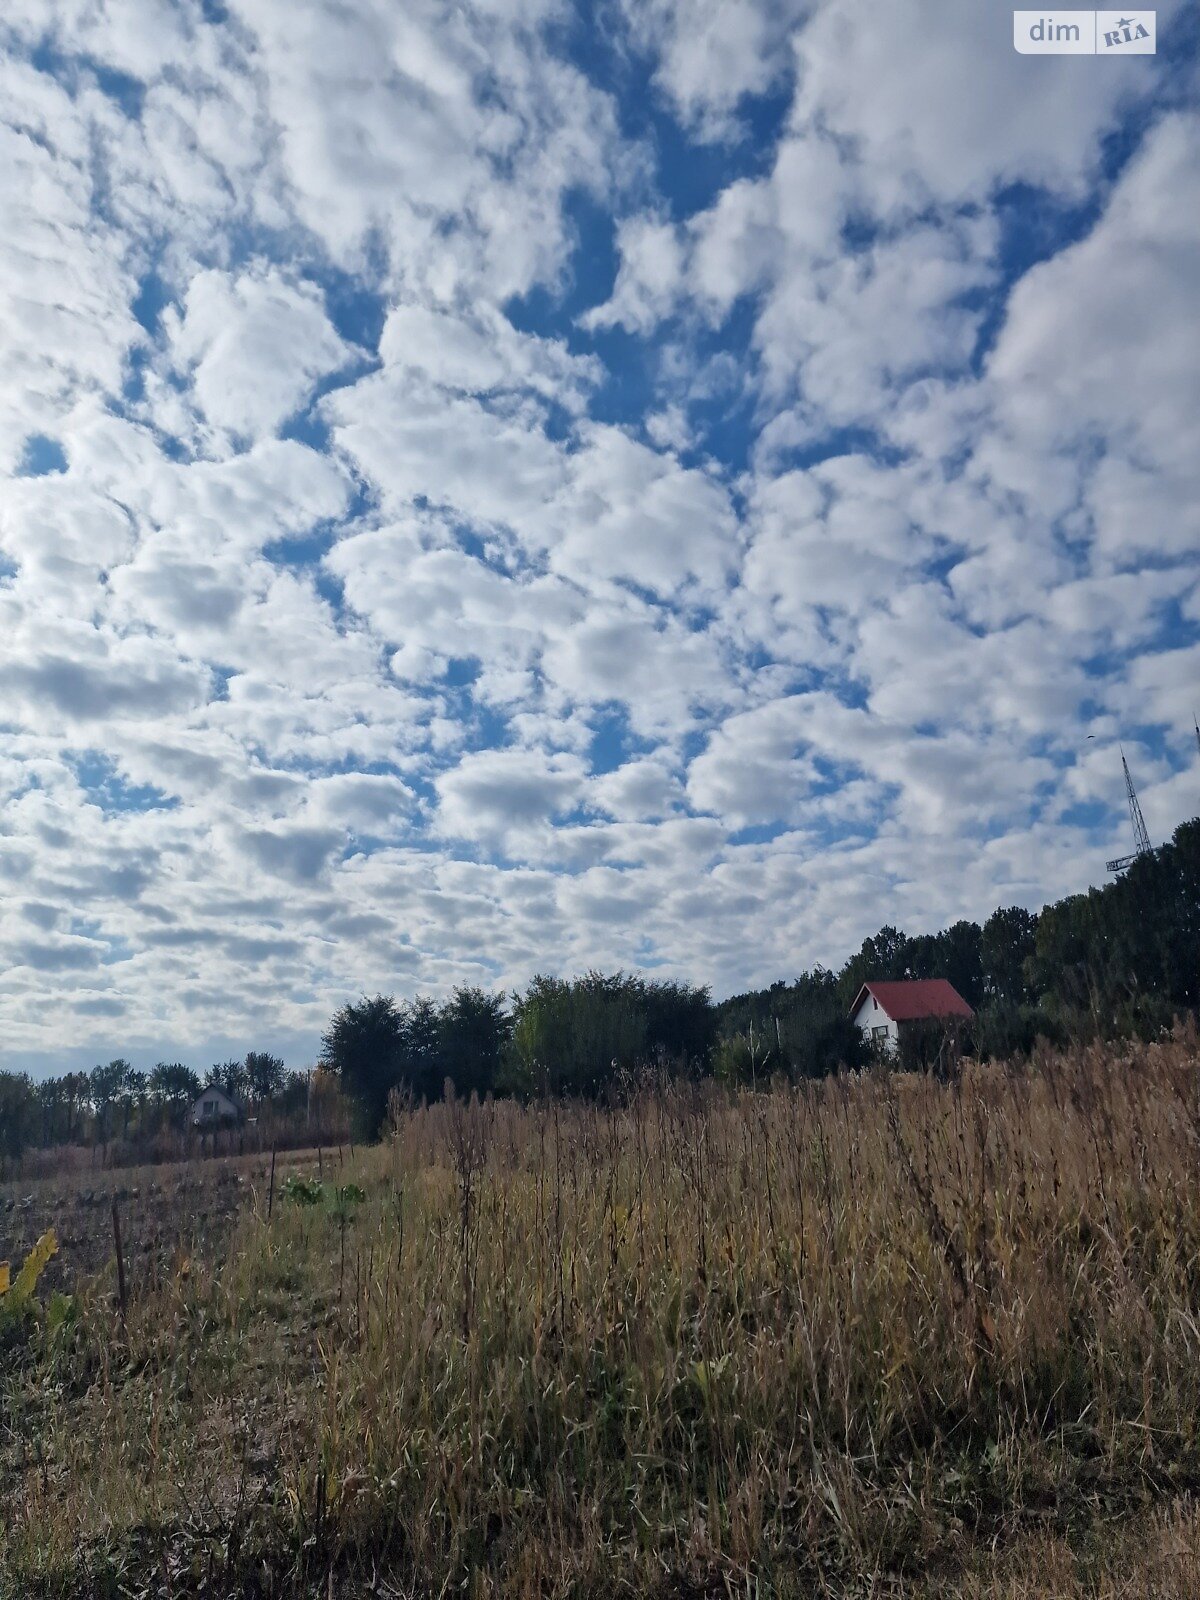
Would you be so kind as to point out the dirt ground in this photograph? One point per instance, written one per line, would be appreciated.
(187, 1207)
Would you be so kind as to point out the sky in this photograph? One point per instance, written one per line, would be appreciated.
(516, 487)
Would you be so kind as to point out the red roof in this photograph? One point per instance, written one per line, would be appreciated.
(914, 999)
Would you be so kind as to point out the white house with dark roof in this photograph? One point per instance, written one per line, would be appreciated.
(215, 1108)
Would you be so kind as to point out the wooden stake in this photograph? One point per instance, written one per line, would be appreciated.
(271, 1191)
(120, 1258)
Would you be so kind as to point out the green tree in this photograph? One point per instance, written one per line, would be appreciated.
(173, 1087)
(291, 1098)
(420, 1060)
(1072, 963)
(1179, 924)
(49, 1095)
(76, 1097)
(885, 955)
(364, 1046)
(227, 1075)
(958, 957)
(472, 1035)
(681, 1021)
(18, 1116)
(800, 1028)
(106, 1086)
(1002, 1030)
(263, 1074)
(574, 1035)
(134, 1093)
(1008, 942)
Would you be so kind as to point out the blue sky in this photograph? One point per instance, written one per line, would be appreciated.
(520, 487)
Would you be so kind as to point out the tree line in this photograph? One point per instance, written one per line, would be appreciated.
(1118, 961)
(116, 1101)
(560, 1035)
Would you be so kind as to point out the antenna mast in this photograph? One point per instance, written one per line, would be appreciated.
(1141, 838)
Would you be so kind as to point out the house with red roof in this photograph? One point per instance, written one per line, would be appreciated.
(883, 1010)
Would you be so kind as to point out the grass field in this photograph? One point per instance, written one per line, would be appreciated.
(869, 1336)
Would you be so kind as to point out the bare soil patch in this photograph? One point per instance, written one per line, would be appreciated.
(174, 1209)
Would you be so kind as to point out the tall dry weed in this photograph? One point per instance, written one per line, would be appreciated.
(842, 1331)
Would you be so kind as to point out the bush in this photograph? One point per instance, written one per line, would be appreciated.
(1004, 1030)
(572, 1036)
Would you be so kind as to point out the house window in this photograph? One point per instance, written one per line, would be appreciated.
(879, 1033)
(874, 1003)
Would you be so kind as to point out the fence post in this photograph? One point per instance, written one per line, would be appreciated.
(116, 1216)
(271, 1191)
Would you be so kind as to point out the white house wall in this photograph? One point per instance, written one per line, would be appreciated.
(871, 1015)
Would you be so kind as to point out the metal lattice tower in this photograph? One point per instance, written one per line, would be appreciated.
(1141, 838)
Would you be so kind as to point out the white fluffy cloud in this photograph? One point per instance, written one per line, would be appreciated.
(1108, 306)
(504, 798)
(388, 602)
(650, 279)
(710, 54)
(448, 139)
(251, 348)
(600, 507)
(65, 289)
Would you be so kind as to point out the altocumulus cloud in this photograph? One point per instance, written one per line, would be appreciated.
(462, 517)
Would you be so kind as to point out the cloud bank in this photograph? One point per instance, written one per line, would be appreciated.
(486, 492)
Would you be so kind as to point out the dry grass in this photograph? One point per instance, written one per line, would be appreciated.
(869, 1336)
